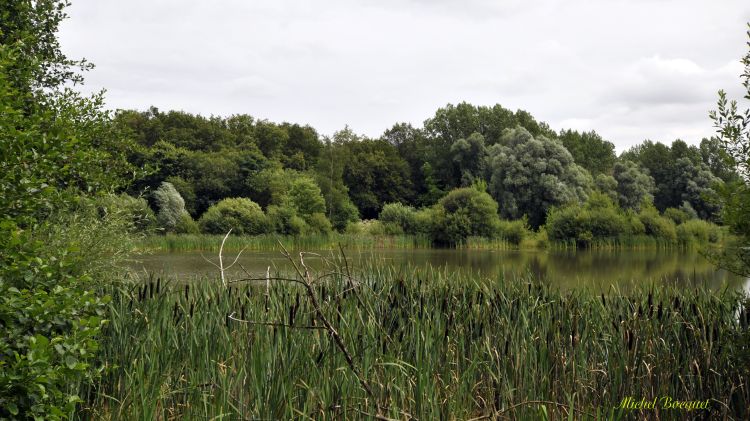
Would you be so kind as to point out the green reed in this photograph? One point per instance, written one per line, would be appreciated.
(434, 344)
(205, 242)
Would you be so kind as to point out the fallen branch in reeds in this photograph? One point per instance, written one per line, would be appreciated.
(305, 279)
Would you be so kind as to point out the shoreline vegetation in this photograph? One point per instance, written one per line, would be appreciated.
(82, 188)
(534, 241)
(425, 344)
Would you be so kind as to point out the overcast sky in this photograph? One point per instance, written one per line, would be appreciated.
(629, 69)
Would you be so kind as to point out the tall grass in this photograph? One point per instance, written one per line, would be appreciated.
(434, 345)
(205, 242)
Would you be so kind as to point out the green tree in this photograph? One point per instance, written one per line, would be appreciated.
(733, 128)
(242, 215)
(530, 175)
(634, 185)
(462, 213)
(55, 244)
(589, 150)
(375, 174)
(170, 206)
(470, 156)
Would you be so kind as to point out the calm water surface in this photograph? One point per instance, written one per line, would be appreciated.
(594, 269)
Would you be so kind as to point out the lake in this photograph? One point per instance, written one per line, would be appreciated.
(598, 270)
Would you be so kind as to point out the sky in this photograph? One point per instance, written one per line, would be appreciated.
(629, 69)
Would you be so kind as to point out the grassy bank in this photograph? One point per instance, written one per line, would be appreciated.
(532, 241)
(429, 344)
(206, 242)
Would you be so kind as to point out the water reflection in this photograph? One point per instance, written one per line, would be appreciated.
(567, 269)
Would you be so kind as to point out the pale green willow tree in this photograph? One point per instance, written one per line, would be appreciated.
(634, 185)
(170, 205)
(529, 175)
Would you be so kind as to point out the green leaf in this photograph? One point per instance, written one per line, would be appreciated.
(71, 361)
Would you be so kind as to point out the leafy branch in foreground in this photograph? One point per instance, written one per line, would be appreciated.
(733, 128)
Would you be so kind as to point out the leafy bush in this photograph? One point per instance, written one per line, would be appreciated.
(134, 209)
(678, 216)
(463, 213)
(241, 215)
(656, 225)
(513, 231)
(366, 227)
(598, 218)
(186, 225)
(284, 220)
(56, 243)
(696, 231)
(318, 223)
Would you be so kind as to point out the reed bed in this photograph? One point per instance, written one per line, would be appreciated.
(205, 242)
(432, 344)
(626, 242)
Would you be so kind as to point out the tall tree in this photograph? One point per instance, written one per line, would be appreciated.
(589, 150)
(634, 185)
(530, 175)
(733, 128)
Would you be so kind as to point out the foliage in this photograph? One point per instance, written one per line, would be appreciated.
(634, 185)
(696, 231)
(678, 216)
(58, 151)
(530, 175)
(170, 206)
(733, 128)
(133, 209)
(606, 184)
(470, 156)
(463, 213)
(406, 328)
(513, 231)
(284, 220)
(375, 174)
(589, 150)
(318, 223)
(366, 226)
(241, 215)
(186, 225)
(656, 225)
(598, 218)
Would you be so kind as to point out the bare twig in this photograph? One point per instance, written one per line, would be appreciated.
(321, 316)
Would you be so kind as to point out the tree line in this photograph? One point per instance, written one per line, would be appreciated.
(287, 178)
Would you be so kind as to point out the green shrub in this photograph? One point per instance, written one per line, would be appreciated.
(398, 215)
(678, 216)
(135, 210)
(512, 231)
(598, 218)
(656, 225)
(318, 223)
(696, 231)
(463, 213)
(392, 228)
(186, 225)
(284, 220)
(366, 227)
(563, 224)
(241, 215)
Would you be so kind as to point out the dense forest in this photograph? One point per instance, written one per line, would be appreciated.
(467, 172)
